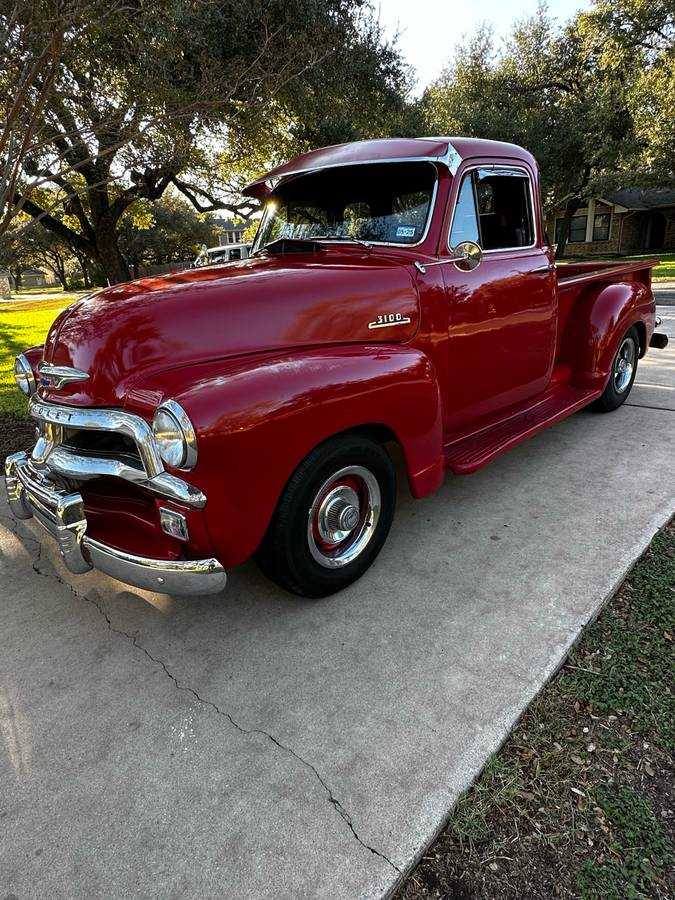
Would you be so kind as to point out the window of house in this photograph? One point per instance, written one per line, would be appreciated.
(501, 197)
(577, 230)
(601, 223)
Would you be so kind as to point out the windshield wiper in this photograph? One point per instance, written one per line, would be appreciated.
(340, 237)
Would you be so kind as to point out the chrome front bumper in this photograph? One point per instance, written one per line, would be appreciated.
(62, 514)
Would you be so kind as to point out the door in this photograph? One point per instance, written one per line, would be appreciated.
(502, 314)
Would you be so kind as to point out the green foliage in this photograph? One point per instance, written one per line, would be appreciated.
(165, 231)
(146, 101)
(592, 100)
(640, 849)
(627, 660)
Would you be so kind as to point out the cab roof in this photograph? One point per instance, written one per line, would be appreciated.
(448, 151)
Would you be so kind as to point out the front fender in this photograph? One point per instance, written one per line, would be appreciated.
(257, 417)
(597, 322)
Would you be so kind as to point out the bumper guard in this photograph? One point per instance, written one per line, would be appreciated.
(62, 514)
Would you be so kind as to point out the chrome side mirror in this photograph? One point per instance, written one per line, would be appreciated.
(467, 255)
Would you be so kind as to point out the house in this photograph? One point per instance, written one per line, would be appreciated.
(233, 230)
(33, 278)
(629, 221)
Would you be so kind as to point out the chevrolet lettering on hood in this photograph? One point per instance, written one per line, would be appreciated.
(399, 291)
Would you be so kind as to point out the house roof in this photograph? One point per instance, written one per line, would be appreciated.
(448, 151)
(643, 198)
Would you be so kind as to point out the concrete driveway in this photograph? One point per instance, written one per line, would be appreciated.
(255, 745)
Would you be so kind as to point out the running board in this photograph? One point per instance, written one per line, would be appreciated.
(473, 451)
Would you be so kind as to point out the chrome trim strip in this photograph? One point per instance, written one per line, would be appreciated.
(535, 229)
(57, 376)
(62, 515)
(446, 159)
(104, 420)
(427, 224)
(82, 467)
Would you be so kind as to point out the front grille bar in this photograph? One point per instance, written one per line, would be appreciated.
(115, 420)
(69, 462)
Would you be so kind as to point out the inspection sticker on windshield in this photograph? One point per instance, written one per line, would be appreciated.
(406, 231)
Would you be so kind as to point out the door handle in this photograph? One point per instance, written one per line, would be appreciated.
(549, 267)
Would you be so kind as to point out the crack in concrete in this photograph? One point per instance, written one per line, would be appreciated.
(645, 406)
(133, 638)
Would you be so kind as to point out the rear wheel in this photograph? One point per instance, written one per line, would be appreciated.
(624, 370)
(332, 519)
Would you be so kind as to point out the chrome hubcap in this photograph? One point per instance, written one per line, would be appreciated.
(624, 365)
(338, 514)
(343, 516)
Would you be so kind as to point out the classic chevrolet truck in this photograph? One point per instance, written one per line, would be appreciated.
(399, 290)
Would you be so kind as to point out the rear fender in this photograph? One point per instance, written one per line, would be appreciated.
(257, 418)
(599, 319)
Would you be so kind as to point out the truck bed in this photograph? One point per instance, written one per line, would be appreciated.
(604, 270)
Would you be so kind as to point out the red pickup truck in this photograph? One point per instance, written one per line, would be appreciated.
(399, 291)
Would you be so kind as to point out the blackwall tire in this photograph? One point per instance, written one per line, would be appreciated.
(622, 375)
(332, 519)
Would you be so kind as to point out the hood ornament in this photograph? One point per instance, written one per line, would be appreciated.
(56, 376)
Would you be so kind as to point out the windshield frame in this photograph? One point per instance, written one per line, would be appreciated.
(255, 249)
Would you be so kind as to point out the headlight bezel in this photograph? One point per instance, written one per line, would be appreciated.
(183, 427)
(23, 371)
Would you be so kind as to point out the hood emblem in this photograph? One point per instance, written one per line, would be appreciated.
(389, 319)
(56, 376)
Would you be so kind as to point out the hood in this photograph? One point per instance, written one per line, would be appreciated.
(126, 332)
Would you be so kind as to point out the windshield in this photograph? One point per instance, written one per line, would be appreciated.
(380, 203)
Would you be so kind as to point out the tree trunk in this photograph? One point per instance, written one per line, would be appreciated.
(57, 266)
(571, 207)
(110, 256)
(5, 293)
(62, 275)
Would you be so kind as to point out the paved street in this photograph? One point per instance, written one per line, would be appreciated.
(664, 292)
(256, 745)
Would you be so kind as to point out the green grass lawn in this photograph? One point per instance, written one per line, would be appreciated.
(663, 272)
(45, 289)
(665, 268)
(23, 324)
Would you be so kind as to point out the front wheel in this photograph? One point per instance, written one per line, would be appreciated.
(332, 519)
(622, 376)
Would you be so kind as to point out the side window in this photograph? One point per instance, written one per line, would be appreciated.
(504, 209)
(465, 220)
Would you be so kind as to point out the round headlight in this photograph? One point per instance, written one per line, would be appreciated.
(175, 436)
(23, 376)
